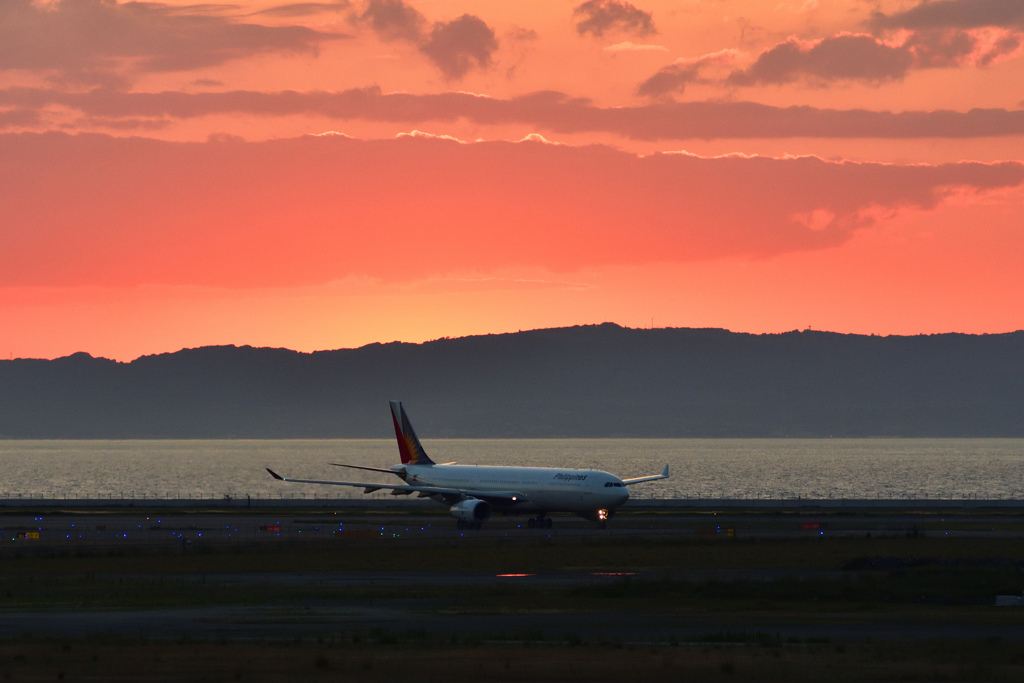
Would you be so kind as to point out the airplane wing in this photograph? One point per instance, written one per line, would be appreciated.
(504, 497)
(653, 477)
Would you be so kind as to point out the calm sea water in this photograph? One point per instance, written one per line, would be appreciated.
(700, 468)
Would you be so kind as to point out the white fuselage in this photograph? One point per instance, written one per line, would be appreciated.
(546, 489)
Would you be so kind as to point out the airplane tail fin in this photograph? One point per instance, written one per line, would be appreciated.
(409, 447)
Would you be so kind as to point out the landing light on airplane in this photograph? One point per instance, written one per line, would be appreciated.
(602, 515)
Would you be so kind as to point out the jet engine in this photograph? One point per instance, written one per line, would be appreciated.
(471, 510)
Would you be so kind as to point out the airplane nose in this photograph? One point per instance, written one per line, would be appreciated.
(623, 495)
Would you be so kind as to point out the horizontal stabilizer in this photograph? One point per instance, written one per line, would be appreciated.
(360, 467)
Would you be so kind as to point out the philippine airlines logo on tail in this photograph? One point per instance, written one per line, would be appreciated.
(409, 447)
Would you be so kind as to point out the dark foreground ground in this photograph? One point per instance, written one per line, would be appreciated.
(361, 595)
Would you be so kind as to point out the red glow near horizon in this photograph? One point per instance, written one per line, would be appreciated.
(178, 190)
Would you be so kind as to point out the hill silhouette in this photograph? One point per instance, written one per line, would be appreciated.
(586, 381)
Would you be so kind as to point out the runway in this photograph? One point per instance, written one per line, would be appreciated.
(409, 622)
(297, 573)
(63, 528)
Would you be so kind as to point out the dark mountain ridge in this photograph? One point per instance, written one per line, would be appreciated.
(594, 380)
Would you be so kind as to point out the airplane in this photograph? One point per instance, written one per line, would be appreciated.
(474, 492)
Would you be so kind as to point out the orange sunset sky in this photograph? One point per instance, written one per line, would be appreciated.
(319, 175)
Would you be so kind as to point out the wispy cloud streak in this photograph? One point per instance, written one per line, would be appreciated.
(550, 111)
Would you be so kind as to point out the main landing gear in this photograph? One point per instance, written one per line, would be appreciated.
(468, 525)
(541, 522)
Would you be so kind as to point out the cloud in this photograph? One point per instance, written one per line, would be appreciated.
(85, 40)
(674, 78)
(303, 9)
(858, 56)
(523, 35)
(394, 20)
(459, 45)
(670, 79)
(849, 56)
(633, 47)
(431, 136)
(17, 118)
(954, 14)
(975, 47)
(102, 211)
(549, 111)
(599, 16)
(119, 123)
(455, 47)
